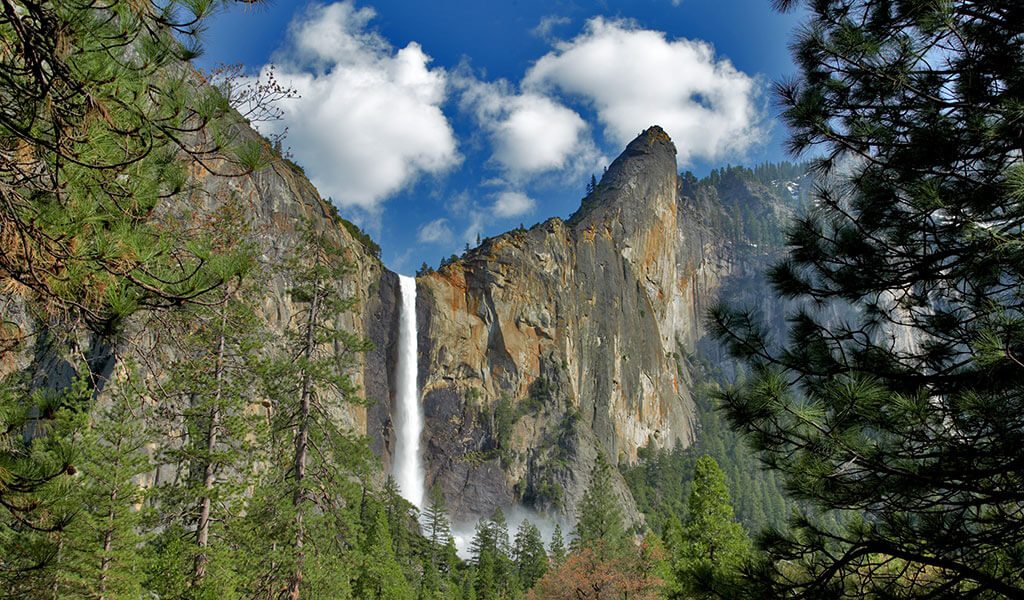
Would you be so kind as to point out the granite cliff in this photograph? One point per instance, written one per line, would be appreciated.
(540, 348)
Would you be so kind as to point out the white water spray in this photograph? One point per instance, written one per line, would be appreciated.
(408, 466)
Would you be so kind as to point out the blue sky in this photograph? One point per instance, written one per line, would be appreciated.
(431, 122)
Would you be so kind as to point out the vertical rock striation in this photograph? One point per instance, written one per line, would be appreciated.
(547, 346)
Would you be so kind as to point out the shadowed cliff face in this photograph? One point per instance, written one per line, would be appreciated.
(541, 348)
(276, 198)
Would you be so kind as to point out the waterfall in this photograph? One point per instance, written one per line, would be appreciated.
(408, 466)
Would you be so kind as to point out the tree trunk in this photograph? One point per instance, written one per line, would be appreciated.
(302, 441)
(108, 535)
(203, 528)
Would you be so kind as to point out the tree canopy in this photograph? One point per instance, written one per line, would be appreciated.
(898, 392)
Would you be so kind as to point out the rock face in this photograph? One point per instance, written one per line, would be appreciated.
(539, 349)
(277, 198)
(542, 348)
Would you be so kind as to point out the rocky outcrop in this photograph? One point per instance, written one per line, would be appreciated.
(543, 347)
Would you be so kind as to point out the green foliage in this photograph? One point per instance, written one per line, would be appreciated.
(380, 576)
(531, 562)
(362, 237)
(311, 491)
(547, 489)
(897, 393)
(540, 394)
(556, 547)
(505, 418)
(101, 121)
(661, 480)
(709, 539)
(451, 260)
(436, 526)
(598, 516)
(207, 396)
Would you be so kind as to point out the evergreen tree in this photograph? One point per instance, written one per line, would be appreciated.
(437, 527)
(898, 394)
(397, 510)
(490, 548)
(528, 554)
(35, 478)
(483, 539)
(380, 577)
(468, 585)
(598, 514)
(556, 548)
(430, 583)
(487, 586)
(101, 123)
(311, 502)
(93, 554)
(106, 122)
(208, 396)
(710, 539)
(499, 529)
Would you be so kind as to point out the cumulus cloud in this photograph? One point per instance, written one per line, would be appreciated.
(368, 121)
(435, 232)
(512, 204)
(531, 133)
(634, 78)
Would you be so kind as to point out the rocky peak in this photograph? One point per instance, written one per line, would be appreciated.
(644, 171)
(652, 149)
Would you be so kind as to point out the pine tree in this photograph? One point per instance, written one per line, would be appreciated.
(397, 509)
(499, 529)
(598, 514)
(437, 527)
(528, 554)
(106, 120)
(556, 548)
(486, 584)
(98, 557)
(483, 539)
(468, 585)
(898, 394)
(101, 123)
(380, 576)
(36, 475)
(87, 544)
(310, 502)
(710, 539)
(208, 396)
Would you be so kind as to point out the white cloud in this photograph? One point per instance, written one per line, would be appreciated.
(547, 24)
(512, 204)
(530, 133)
(635, 78)
(369, 119)
(479, 216)
(435, 232)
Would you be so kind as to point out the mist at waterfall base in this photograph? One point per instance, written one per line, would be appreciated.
(408, 466)
(464, 531)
